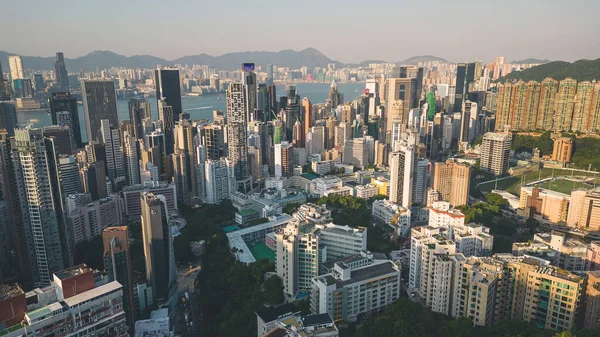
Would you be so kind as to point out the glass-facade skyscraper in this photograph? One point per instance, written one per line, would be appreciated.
(99, 102)
(64, 101)
(60, 72)
(168, 86)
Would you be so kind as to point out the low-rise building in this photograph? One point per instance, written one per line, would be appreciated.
(158, 325)
(268, 317)
(555, 247)
(392, 214)
(383, 184)
(549, 204)
(366, 191)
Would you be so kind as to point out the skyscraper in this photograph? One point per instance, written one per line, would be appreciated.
(307, 113)
(263, 103)
(250, 88)
(402, 164)
(15, 64)
(65, 102)
(334, 98)
(547, 106)
(237, 138)
(114, 154)
(3, 88)
(495, 153)
(34, 164)
(270, 74)
(166, 114)
(283, 159)
(130, 152)
(168, 86)
(184, 141)
(158, 249)
(117, 262)
(99, 102)
(8, 117)
(292, 111)
(60, 72)
(583, 106)
(139, 109)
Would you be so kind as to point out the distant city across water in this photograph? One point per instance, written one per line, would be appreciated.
(201, 107)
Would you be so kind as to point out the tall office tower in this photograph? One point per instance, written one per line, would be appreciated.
(401, 89)
(452, 181)
(60, 72)
(68, 169)
(8, 118)
(250, 88)
(219, 180)
(114, 154)
(180, 173)
(330, 125)
(317, 140)
(308, 114)
(184, 140)
(99, 102)
(263, 103)
(431, 107)
(334, 98)
(213, 141)
(565, 102)
(237, 139)
(283, 159)
(168, 86)
(117, 262)
(547, 105)
(402, 165)
(132, 165)
(158, 249)
(348, 113)
(166, 114)
(65, 102)
(356, 152)
(583, 106)
(93, 177)
(34, 164)
(270, 74)
(139, 109)
(38, 82)
(15, 64)
(503, 106)
(462, 77)
(62, 138)
(298, 135)
(498, 64)
(495, 152)
(292, 110)
(272, 90)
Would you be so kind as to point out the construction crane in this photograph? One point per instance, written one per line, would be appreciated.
(394, 222)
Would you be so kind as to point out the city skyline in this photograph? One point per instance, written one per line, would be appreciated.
(520, 37)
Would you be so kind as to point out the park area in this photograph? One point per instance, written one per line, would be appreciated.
(559, 180)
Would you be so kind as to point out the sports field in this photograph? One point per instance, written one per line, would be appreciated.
(261, 251)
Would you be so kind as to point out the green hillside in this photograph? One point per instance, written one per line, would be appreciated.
(582, 70)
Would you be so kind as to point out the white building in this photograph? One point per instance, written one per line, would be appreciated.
(402, 165)
(87, 221)
(219, 180)
(356, 152)
(388, 212)
(323, 167)
(495, 153)
(346, 293)
(158, 325)
(366, 191)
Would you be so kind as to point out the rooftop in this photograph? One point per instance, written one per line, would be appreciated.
(269, 314)
(93, 293)
(73, 271)
(369, 272)
(9, 290)
(318, 319)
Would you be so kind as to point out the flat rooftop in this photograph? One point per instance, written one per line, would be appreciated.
(367, 273)
(9, 290)
(93, 293)
(73, 271)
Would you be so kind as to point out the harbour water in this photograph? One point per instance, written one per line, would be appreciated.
(201, 107)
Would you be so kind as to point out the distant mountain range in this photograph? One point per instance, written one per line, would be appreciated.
(582, 70)
(531, 61)
(103, 59)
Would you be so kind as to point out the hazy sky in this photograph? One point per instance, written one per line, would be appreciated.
(344, 30)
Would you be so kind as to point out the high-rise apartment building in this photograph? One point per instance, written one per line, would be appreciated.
(89, 220)
(158, 250)
(584, 210)
(592, 305)
(168, 86)
(292, 110)
(99, 102)
(167, 115)
(219, 180)
(237, 139)
(547, 106)
(131, 157)
(15, 64)
(184, 141)
(452, 180)
(565, 103)
(402, 165)
(308, 114)
(495, 153)
(283, 159)
(213, 141)
(582, 110)
(60, 72)
(36, 181)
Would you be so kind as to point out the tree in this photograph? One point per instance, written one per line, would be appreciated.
(496, 199)
(273, 293)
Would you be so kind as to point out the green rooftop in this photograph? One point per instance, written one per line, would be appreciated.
(247, 212)
(309, 176)
(38, 313)
(261, 251)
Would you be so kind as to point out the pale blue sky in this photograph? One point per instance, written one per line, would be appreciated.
(344, 30)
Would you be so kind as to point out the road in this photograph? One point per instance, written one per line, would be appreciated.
(187, 318)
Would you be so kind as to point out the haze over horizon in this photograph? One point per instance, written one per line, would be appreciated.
(345, 31)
